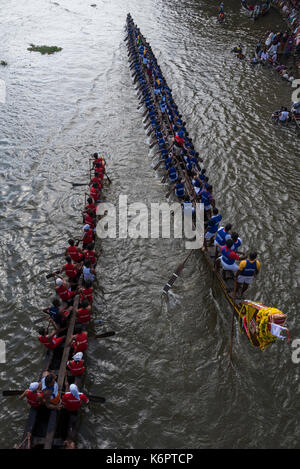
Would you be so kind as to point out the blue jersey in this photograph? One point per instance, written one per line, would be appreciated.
(222, 236)
(179, 191)
(249, 269)
(237, 244)
(213, 223)
(173, 174)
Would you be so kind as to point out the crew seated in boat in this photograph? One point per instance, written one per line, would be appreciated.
(221, 237)
(72, 271)
(90, 219)
(247, 270)
(296, 109)
(63, 291)
(90, 254)
(228, 258)
(50, 391)
(173, 176)
(88, 271)
(179, 188)
(86, 292)
(74, 251)
(237, 242)
(207, 200)
(51, 341)
(284, 116)
(76, 365)
(79, 341)
(58, 313)
(34, 395)
(88, 236)
(95, 193)
(84, 312)
(73, 399)
(212, 228)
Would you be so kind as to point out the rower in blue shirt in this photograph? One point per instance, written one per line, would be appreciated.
(212, 228)
(222, 235)
(172, 173)
(237, 242)
(179, 189)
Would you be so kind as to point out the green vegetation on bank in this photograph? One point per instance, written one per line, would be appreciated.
(44, 49)
(3, 63)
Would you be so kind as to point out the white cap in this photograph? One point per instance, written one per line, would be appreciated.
(86, 227)
(78, 356)
(74, 391)
(59, 282)
(33, 387)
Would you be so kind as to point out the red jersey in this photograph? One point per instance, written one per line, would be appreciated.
(91, 207)
(88, 236)
(32, 398)
(81, 343)
(51, 342)
(63, 293)
(83, 315)
(71, 271)
(94, 193)
(71, 403)
(88, 294)
(99, 172)
(97, 180)
(73, 252)
(76, 368)
(179, 140)
(99, 161)
(90, 255)
(88, 220)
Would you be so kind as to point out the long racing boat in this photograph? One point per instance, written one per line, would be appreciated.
(262, 325)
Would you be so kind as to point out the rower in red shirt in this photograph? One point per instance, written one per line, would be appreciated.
(179, 140)
(90, 219)
(63, 292)
(90, 206)
(96, 180)
(90, 254)
(98, 160)
(95, 193)
(73, 399)
(76, 366)
(50, 341)
(99, 171)
(34, 395)
(87, 293)
(79, 341)
(88, 236)
(84, 313)
(72, 271)
(74, 251)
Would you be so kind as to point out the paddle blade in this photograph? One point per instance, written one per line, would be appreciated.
(175, 275)
(170, 283)
(105, 334)
(12, 393)
(99, 399)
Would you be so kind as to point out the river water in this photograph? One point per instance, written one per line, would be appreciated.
(165, 374)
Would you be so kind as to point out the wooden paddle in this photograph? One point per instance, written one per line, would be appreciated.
(175, 275)
(52, 274)
(158, 164)
(91, 397)
(231, 336)
(170, 192)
